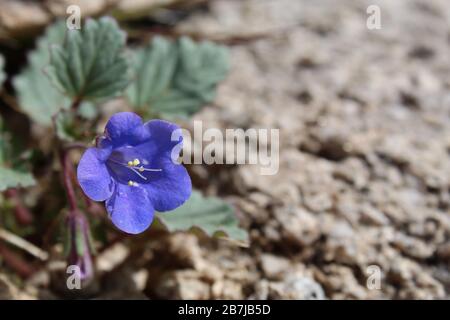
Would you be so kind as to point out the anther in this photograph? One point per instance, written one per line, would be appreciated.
(130, 163)
(136, 162)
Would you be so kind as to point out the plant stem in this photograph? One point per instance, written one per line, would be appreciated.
(75, 104)
(9, 100)
(75, 145)
(21, 212)
(23, 244)
(66, 168)
(16, 262)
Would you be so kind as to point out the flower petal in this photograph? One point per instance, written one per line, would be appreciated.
(161, 135)
(130, 209)
(93, 175)
(125, 128)
(169, 188)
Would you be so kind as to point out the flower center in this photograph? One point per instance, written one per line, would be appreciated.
(131, 172)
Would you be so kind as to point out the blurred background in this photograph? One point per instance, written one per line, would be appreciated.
(360, 206)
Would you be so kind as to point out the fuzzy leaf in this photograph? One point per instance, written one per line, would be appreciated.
(38, 98)
(87, 110)
(64, 128)
(154, 67)
(91, 63)
(201, 67)
(67, 128)
(176, 80)
(10, 178)
(209, 214)
(176, 104)
(13, 162)
(2, 73)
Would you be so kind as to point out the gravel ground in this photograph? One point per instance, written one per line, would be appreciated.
(364, 178)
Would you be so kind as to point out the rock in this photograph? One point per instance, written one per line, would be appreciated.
(413, 247)
(9, 291)
(183, 285)
(354, 171)
(296, 287)
(15, 16)
(443, 251)
(227, 289)
(24, 17)
(185, 249)
(112, 257)
(373, 216)
(121, 283)
(341, 283)
(414, 283)
(274, 267)
(297, 225)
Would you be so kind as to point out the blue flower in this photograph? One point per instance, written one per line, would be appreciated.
(133, 170)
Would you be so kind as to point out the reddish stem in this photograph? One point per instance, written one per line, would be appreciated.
(75, 103)
(91, 206)
(67, 167)
(14, 261)
(22, 214)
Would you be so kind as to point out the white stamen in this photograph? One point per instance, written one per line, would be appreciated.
(140, 175)
(133, 166)
(146, 169)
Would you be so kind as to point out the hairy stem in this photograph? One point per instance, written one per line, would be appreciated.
(16, 262)
(75, 145)
(66, 168)
(75, 103)
(21, 212)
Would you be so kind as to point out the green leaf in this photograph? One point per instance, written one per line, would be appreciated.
(12, 162)
(176, 79)
(153, 68)
(2, 73)
(6, 149)
(10, 178)
(68, 128)
(38, 98)
(87, 111)
(201, 67)
(91, 63)
(64, 126)
(176, 104)
(210, 214)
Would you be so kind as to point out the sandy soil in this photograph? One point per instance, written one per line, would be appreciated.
(364, 179)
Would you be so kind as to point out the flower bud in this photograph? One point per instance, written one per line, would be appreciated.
(78, 247)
